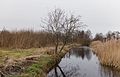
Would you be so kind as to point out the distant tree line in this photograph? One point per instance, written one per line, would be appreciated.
(82, 37)
(30, 39)
(108, 36)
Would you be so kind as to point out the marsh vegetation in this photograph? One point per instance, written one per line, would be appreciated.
(33, 53)
(29, 53)
(108, 52)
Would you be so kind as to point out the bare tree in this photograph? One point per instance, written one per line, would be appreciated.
(60, 24)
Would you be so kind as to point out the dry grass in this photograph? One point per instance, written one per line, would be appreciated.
(25, 39)
(20, 57)
(22, 53)
(108, 52)
(33, 61)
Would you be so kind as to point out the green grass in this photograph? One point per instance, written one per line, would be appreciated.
(15, 54)
(38, 68)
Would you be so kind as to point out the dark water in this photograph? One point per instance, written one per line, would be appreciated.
(81, 62)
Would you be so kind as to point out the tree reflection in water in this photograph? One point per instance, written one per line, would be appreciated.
(58, 72)
(80, 52)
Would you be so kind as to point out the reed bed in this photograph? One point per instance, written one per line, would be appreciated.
(108, 52)
(25, 39)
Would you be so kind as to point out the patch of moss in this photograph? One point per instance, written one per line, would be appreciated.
(34, 69)
(38, 68)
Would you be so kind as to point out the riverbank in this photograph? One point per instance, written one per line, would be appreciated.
(108, 52)
(30, 62)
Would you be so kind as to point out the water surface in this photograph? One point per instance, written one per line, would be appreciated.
(81, 62)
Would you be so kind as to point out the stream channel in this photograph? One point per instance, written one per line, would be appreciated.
(81, 62)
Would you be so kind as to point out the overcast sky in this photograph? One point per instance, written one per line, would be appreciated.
(99, 15)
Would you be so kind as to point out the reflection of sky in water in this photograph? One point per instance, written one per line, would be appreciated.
(82, 63)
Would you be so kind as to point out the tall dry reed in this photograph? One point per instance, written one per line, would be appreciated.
(108, 52)
(24, 39)
(32, 39)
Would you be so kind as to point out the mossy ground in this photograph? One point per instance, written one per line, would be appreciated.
(42, 67)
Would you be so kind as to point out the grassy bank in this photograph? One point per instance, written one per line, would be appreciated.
(31, 62)
(108, 52)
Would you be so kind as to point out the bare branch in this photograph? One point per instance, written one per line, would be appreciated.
(60, 23)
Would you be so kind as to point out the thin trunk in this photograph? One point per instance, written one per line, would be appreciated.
(57, 43)
(62, 47)
(64, 43)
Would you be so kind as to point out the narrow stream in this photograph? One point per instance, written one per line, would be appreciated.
(81, 62)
